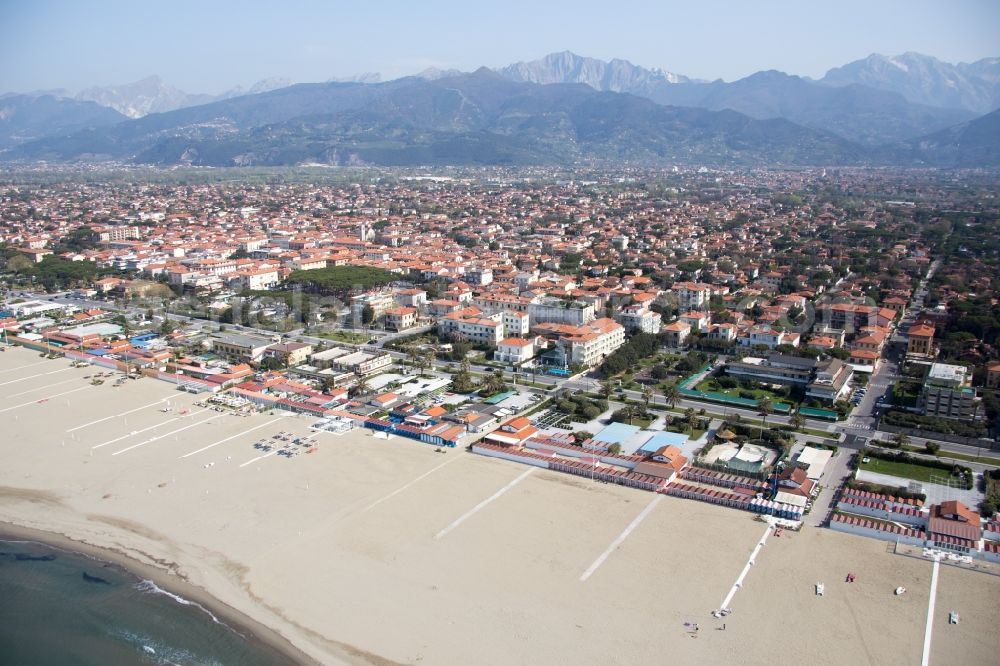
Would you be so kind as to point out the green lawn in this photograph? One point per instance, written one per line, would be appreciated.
(346, 336)
(905, 470)
(710, 386)
(986, 460)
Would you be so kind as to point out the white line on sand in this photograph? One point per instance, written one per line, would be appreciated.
(931, 601)
(22, 367)
(40, 374)
(402, 488)
(266, 455)
(107, 418)
(746, 569)
(166, 434)
(223, 441)
(40, 388)
(136, 432)
(48, 397)
(621, 538)
(468, 514)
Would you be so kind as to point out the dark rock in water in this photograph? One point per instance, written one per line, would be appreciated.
(24, 557)
(94, 579)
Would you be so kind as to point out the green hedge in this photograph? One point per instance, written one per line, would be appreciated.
(895, 417)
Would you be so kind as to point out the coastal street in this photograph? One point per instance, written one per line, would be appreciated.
(191, 488)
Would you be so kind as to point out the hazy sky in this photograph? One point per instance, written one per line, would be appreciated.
(212, 45)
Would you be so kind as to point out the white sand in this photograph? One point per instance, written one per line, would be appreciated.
(337, 551)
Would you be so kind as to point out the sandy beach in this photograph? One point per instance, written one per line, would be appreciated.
(375, 551)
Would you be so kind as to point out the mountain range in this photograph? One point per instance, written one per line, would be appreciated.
(24, 118)
(560, 109)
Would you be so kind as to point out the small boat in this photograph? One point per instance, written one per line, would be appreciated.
(820, 589)
(953, 617)
(900, 590)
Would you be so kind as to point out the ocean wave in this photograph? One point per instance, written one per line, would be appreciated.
(158, 652)
(150, 587)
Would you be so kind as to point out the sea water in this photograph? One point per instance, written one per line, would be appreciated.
(58, 608)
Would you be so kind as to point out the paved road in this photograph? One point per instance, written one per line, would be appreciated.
(837, 471)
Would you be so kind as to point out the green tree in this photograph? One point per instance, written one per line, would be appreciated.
(796, 420)
(19, 264)
(271, 363)
(462, 382)
(901, 440)
(607, 388)
(360, 386)
(765, 407)
(367, 314)
(671, 394)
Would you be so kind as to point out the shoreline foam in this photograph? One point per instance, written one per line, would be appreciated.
(168, 584)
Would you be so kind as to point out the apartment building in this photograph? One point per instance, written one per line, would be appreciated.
(852, 317)
(586, 345)
(479, 277)
(471, 325)
(768, 337)
(558, 311)
(823, 380)
(256, 279)
(516, 324)
(675, 334)
(514, 351)
(947, 393)
(593, 342)
(498, 302)
(238, 347)
(413, 298)
(401, 318)
(378, 301)
(829, 380)
(692, 295)
(347, 360)
(289, 353)
(920, 340)
(636, 318)
(117, 233)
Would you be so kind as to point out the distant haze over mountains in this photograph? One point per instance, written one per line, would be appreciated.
(152, 95)
(616, 75)
(563, 108)
(926, 80)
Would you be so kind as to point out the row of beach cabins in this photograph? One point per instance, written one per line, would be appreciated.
(949, 527)
(655, 468)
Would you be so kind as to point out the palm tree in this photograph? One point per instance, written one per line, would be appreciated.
(426, 360)
(671, 394)
(361, 386)
(647, 394)
(796, 420)
(413, 355)
(606, 388)
(765, 407)
(901, 439)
